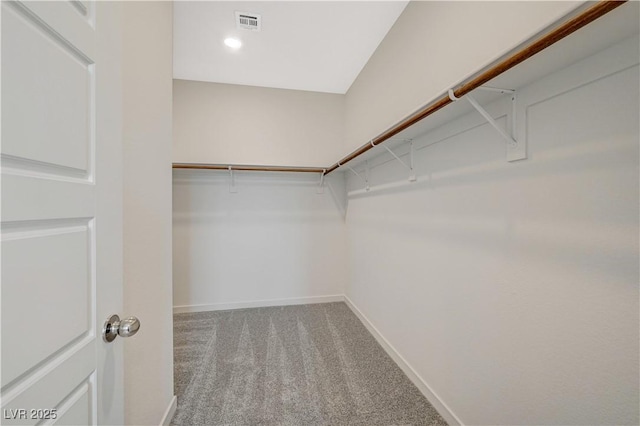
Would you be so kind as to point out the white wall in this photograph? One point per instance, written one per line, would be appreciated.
(225, 123)
(433, 46)
(147, 107)
(512, 288)
(275, 241)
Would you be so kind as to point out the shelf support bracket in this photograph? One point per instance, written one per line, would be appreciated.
(412, 177)
(320, 189)
(510, 140)
(516, 150)
(364, 178)
(232, 182)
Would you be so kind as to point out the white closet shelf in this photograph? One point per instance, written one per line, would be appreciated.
(250, 168)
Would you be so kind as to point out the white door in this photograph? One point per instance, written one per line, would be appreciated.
(61, 212)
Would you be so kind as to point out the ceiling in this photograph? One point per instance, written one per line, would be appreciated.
(318, 46)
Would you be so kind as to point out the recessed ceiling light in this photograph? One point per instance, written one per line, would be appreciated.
(233, 43)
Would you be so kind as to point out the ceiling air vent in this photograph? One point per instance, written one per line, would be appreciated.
(248, 21)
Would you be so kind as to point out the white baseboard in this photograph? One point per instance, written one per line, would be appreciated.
(258, 303)
(171, 410)
(426, 390)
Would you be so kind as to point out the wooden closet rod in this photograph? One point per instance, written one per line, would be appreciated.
(589, 15)
(248, 168)
(584, 18)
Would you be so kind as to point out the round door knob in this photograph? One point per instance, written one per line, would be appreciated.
(114, 327)
(128, 327)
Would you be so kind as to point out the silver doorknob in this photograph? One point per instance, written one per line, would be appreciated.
(114, 327)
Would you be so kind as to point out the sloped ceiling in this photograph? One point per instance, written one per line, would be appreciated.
(305, 45)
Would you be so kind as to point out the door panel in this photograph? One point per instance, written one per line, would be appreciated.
(55, 386)
(77, 410)
(53, 356)
(48, 268)
(40, 195)
(57, 102)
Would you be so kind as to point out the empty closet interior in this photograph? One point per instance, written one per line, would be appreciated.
(473, 198)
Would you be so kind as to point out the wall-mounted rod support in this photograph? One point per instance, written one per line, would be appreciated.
(320, 189)
(367, 174)
(411, 155)
(496, 89)
(232, 182)
(491, 121)
(356, 173)
(510, 138)
(396, 157)
(412, 177)
(365, 178)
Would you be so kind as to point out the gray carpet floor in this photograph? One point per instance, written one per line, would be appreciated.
(298, 365)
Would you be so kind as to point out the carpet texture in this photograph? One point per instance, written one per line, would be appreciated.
(298, 365)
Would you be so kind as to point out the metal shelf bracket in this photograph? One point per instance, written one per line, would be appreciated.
(232, 182)
(516, 150)
(364, 178)
(412, 176)
(320, 189)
